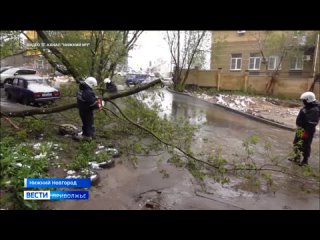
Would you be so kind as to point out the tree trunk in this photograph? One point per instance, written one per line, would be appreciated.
(39, 111)
(315, 79)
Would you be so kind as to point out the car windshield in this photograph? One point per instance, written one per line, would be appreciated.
(10, 70)
(4, 69)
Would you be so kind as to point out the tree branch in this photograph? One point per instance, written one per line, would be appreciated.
(59, 55)
(9, 121)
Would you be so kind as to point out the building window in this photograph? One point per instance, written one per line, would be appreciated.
(39, 64)
(236, 60)
(273, 63)
(296, 63)
(254, 61)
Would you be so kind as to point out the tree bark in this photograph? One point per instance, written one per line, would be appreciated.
(315, 79)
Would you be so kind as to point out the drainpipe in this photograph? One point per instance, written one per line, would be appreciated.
(314, 64)
(246, 74)
(219, 78)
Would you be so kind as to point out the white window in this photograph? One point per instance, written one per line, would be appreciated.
(236, 60)
(254, 61)
(39, 64)
(296, 63)
(273, 62)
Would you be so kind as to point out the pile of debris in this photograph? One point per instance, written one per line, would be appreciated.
(271, 109)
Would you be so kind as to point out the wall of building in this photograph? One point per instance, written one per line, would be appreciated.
(286, 87)
(226, 43)
(29, 61)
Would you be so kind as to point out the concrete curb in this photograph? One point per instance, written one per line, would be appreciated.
(172, 91)
(259, 119)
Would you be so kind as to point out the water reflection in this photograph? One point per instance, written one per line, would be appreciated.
(220, 127)
(173, 108)
(218, 122)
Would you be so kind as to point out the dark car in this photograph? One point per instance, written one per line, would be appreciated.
(134, 79)
(8, 75)
(31, 89)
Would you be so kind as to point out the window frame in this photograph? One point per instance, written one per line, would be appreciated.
(254, 58)
(236, 59)
(277, 59)
(296, 60)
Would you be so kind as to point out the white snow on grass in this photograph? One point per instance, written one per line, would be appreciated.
(70, 172)
(40, 156)
(37, 146)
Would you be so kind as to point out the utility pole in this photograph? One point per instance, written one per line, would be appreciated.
(316, 52)
(316, 56)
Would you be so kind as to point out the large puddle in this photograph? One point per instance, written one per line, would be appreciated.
(223, 127)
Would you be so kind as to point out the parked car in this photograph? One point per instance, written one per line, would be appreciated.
(135, 78)
(8, 75)
(2, 69)
(31, 89)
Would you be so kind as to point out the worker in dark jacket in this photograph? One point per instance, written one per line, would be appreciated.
(87, 102)
(306, 122)
(110, 86)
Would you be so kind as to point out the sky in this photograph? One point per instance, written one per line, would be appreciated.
(151, 46)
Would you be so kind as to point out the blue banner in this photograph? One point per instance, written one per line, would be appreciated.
(56, 195)
(57, 183)
(69, 195)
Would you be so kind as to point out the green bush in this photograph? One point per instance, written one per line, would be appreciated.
(69, 90)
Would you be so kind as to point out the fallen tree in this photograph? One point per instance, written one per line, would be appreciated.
(39, 111)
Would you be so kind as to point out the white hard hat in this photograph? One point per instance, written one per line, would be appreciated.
(308, 96)
(91, 82)
(107, 80)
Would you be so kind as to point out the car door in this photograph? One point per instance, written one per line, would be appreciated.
(14, 88)
(21, 91)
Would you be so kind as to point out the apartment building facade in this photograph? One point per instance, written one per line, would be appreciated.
(241, 51)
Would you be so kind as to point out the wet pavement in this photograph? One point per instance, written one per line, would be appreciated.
(124, 187)
(10, 105)
(222, 127)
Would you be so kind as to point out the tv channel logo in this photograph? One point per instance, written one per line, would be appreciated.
(36, 195)
(56, 195)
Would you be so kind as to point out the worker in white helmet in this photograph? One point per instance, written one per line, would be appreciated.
(87, 102)
(306, 122)
(110, 86)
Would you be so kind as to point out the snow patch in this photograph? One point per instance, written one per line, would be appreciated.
(37, 146)
(35, 87)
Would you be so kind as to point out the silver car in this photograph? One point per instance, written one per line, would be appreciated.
(7, 76)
